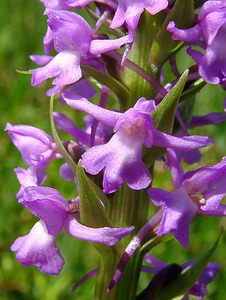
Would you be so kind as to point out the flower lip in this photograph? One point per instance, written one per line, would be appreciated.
(133, 124)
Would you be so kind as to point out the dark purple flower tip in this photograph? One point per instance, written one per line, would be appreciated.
(83, 88)
(199, 288)
(209, 119)
(39, 249)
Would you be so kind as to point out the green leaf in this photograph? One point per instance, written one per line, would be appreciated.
(114, 85)
(93, 210)
(58, 142)
(148, 27)
(164, 116)
(24, 72)
(182, 14)
(93, 213)
(186, 109)
(199, 3)
(153, 242)
(188, 276)
(194, 88)
(165, 112)
(187, 102)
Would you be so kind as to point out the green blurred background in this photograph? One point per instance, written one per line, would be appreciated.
(22, 26)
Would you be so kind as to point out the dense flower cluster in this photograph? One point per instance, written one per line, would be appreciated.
(209, 34)
(117, 143)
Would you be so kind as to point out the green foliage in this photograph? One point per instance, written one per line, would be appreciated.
(114, 85)
(164, 116)
(92, 202)
(180, 285)
(182, 14)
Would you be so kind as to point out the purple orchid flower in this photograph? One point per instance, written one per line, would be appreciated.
(199, 289)
(48, 37)
(126, 11)
(209, 34)
(73, 41)
(36, 147)
(199, 191)
(121, 157)
(38, 248)
(82, 88)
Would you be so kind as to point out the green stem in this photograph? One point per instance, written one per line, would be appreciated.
(128, 207)
(145, 34)
(106, 271)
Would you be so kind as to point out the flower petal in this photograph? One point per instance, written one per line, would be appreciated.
(105, 235)
(65, 66)
(98, 47)
(48, 205)
(101, 114)
(33, 143)
(39, 249)
(178, 212)
(185, 143)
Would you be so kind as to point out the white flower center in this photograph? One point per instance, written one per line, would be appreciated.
(198, 197)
